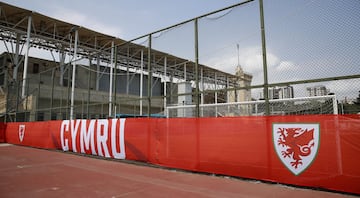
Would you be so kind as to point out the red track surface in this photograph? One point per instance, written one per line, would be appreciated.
(30, 172)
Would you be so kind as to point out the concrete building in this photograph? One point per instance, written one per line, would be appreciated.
(279, 92)
(46, 90)
(319, 90)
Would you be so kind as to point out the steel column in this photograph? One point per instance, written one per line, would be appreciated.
(216, 95)
(73, 76)
(115, 79)
(52, 92)
(111, 78)
(141, 81)
(263, 41)
(89, 86)
(165, 66)
(26, 62)
(16, 58)
(197, 106)
(127, 70)
(149, 77)
(62, 57)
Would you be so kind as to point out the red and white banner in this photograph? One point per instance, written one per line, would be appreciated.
(316, 150)
(97, 137)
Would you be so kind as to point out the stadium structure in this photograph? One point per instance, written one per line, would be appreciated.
(93, 75)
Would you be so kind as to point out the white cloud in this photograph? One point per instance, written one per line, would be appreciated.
(249, 58)
(251, 61)
(286, 66)
(81, 19)
(223, 62)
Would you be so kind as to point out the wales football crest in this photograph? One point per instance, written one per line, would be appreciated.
(21, 132)
(296, 144)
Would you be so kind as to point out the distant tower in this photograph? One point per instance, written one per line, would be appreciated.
(241, 94)
(243, 80)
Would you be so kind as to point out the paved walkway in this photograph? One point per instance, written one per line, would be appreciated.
(30, 172)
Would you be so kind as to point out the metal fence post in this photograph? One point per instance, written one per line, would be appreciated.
(149, 77)
(197, 107)
(266, 83)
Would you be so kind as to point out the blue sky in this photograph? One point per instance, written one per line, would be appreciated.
(305, 39)
(123, 18)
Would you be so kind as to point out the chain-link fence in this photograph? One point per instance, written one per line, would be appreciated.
(289, 106)
(212, 65)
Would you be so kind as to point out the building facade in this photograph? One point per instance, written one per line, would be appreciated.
(282, 92)
(319, 90)
(48, 91)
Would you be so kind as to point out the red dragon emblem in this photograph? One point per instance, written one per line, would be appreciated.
(294, 145)
(21, 132)
(298, 143)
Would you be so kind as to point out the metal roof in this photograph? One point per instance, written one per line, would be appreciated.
(54, 34)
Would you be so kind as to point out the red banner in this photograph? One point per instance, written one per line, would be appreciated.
(316, 150)
(2, 132)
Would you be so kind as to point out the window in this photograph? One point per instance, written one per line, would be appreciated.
(35, 68)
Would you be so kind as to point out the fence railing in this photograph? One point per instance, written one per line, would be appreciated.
(290, 106)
